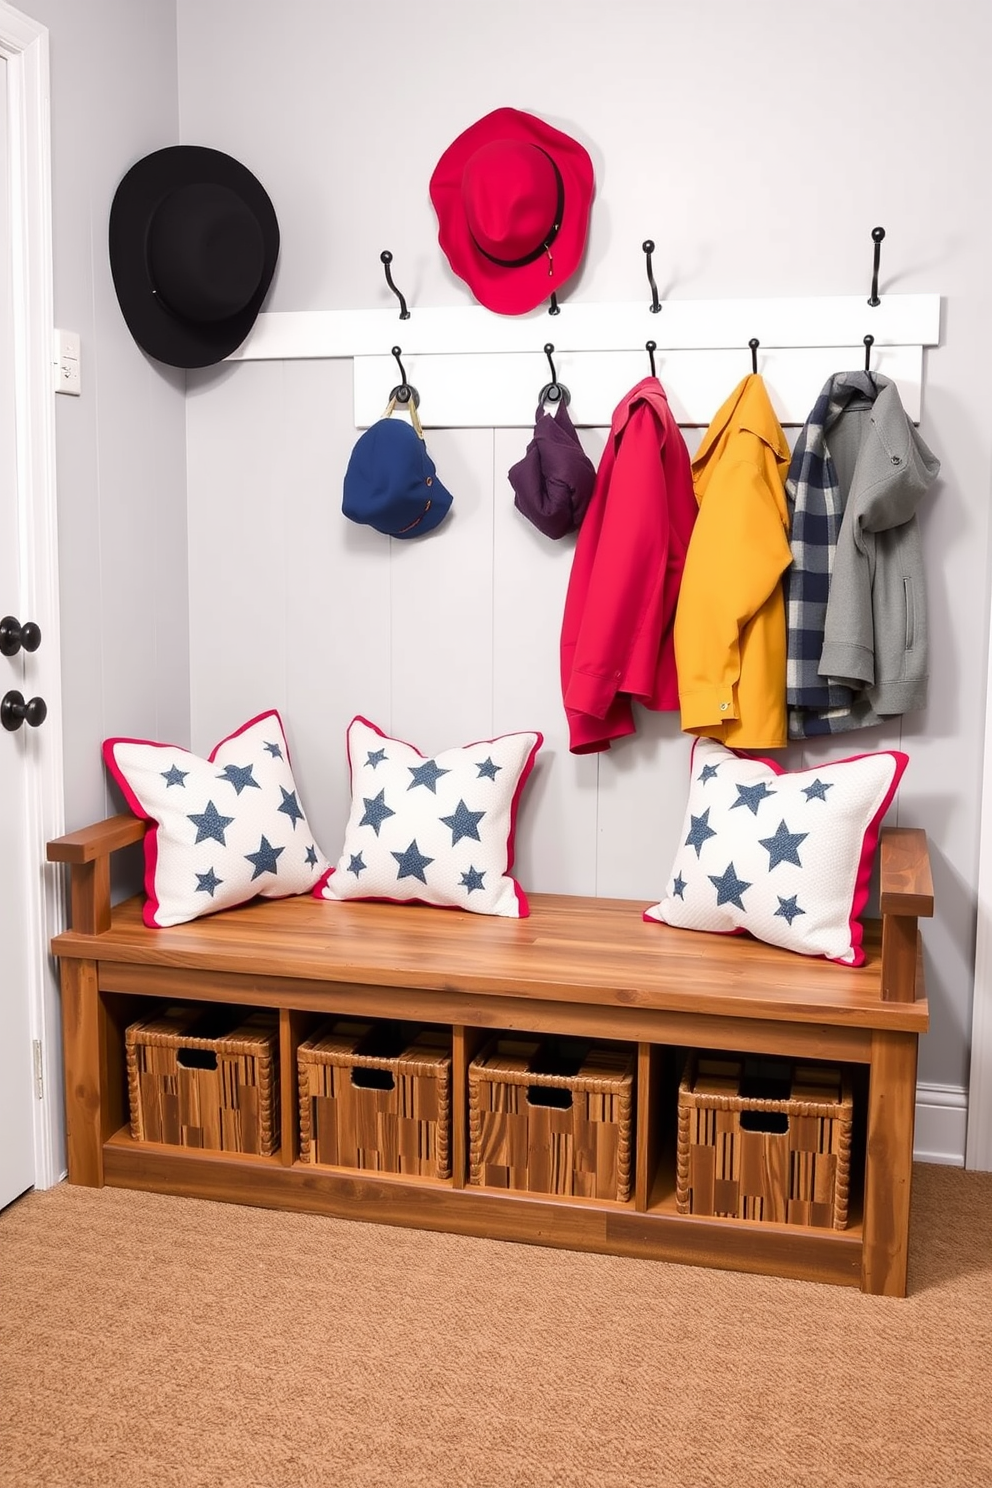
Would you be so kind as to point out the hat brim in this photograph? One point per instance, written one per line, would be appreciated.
(158, 330)
(513, 291)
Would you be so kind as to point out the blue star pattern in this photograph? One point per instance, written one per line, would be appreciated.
(784, 846)
(795, 874)
(788, 908)
(376, 811)
(428, 774)
(752, 796)
(265, 859)
(729, 887)
(412, 862)
(239, 776)
(291, 806)
(463, 823)
(222, 822)
(207, 883)
(356, 865)
(699, 832)
(448, 843)
(210, 824)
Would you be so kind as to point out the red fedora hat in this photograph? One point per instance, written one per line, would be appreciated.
(512, 196)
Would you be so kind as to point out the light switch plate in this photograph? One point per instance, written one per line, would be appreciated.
(67, 363)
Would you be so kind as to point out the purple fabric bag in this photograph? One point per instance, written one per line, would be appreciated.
(553, 482)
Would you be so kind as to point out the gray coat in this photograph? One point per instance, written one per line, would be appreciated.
(875, 638)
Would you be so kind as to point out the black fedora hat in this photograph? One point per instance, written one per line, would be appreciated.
(193, 246)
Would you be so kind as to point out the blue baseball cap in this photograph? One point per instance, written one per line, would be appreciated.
(391, 483)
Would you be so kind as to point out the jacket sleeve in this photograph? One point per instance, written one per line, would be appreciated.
(848, 654)
(613, 616)
(738, 552)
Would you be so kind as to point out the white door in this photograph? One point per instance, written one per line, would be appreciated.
(16, 1115)
(30, 756)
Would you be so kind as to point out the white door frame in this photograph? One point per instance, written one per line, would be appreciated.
(24, 46)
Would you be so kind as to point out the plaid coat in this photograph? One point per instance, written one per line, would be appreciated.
(855, 602)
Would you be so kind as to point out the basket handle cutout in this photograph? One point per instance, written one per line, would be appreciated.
(765, 1121)
(372, 1079)
(549, 1095)
(205, 1059)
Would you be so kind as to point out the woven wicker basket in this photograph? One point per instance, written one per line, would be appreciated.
(545, 1131)
(213, 1081)
(775, 1159)
(378, 1097)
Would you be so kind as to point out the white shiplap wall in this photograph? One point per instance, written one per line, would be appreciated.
(439, 640)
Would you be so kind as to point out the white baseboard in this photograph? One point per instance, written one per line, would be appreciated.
(941, 1124)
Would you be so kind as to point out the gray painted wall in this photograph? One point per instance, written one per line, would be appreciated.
(120, 446)
(758, 145)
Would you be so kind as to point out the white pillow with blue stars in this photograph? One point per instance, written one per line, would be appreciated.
(784, 855)
(223, 829)
(433, 830)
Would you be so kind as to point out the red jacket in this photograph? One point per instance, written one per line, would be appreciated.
(616, 636)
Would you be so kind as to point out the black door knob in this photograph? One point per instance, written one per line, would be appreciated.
(14, 636)
(14, 711)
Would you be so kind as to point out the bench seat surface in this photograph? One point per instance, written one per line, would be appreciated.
(570, 948)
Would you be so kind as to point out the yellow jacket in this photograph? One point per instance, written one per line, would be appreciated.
(730, 620)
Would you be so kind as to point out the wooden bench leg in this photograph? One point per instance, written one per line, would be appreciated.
(84, 1039)
(889, 1163)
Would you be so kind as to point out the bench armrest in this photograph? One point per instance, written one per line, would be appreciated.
(905, 881)
(88, 854)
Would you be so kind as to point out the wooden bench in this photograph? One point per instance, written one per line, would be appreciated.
(577, 966)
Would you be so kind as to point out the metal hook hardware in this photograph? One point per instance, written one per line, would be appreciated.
(877, 234)
(648, 248)
(404, 393)
(651, 347)
(869, 343)
(554, 308)
(553, 391)
(754, 343)
(386, 258)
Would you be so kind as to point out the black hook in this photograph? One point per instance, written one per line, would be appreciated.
(869, 343)
(877, 234)
(386, 259)
(404, 393)
(648, 248)
(553, 391)
(754, 343)
(554, 308)
(651, 347)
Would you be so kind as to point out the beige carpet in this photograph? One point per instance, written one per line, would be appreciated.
(160, 1341)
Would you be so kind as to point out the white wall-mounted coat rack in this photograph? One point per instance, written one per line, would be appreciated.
(473, 368)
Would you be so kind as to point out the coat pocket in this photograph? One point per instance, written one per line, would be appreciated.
(908, 595)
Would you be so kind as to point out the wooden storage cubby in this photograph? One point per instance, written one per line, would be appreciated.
(578, 968)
